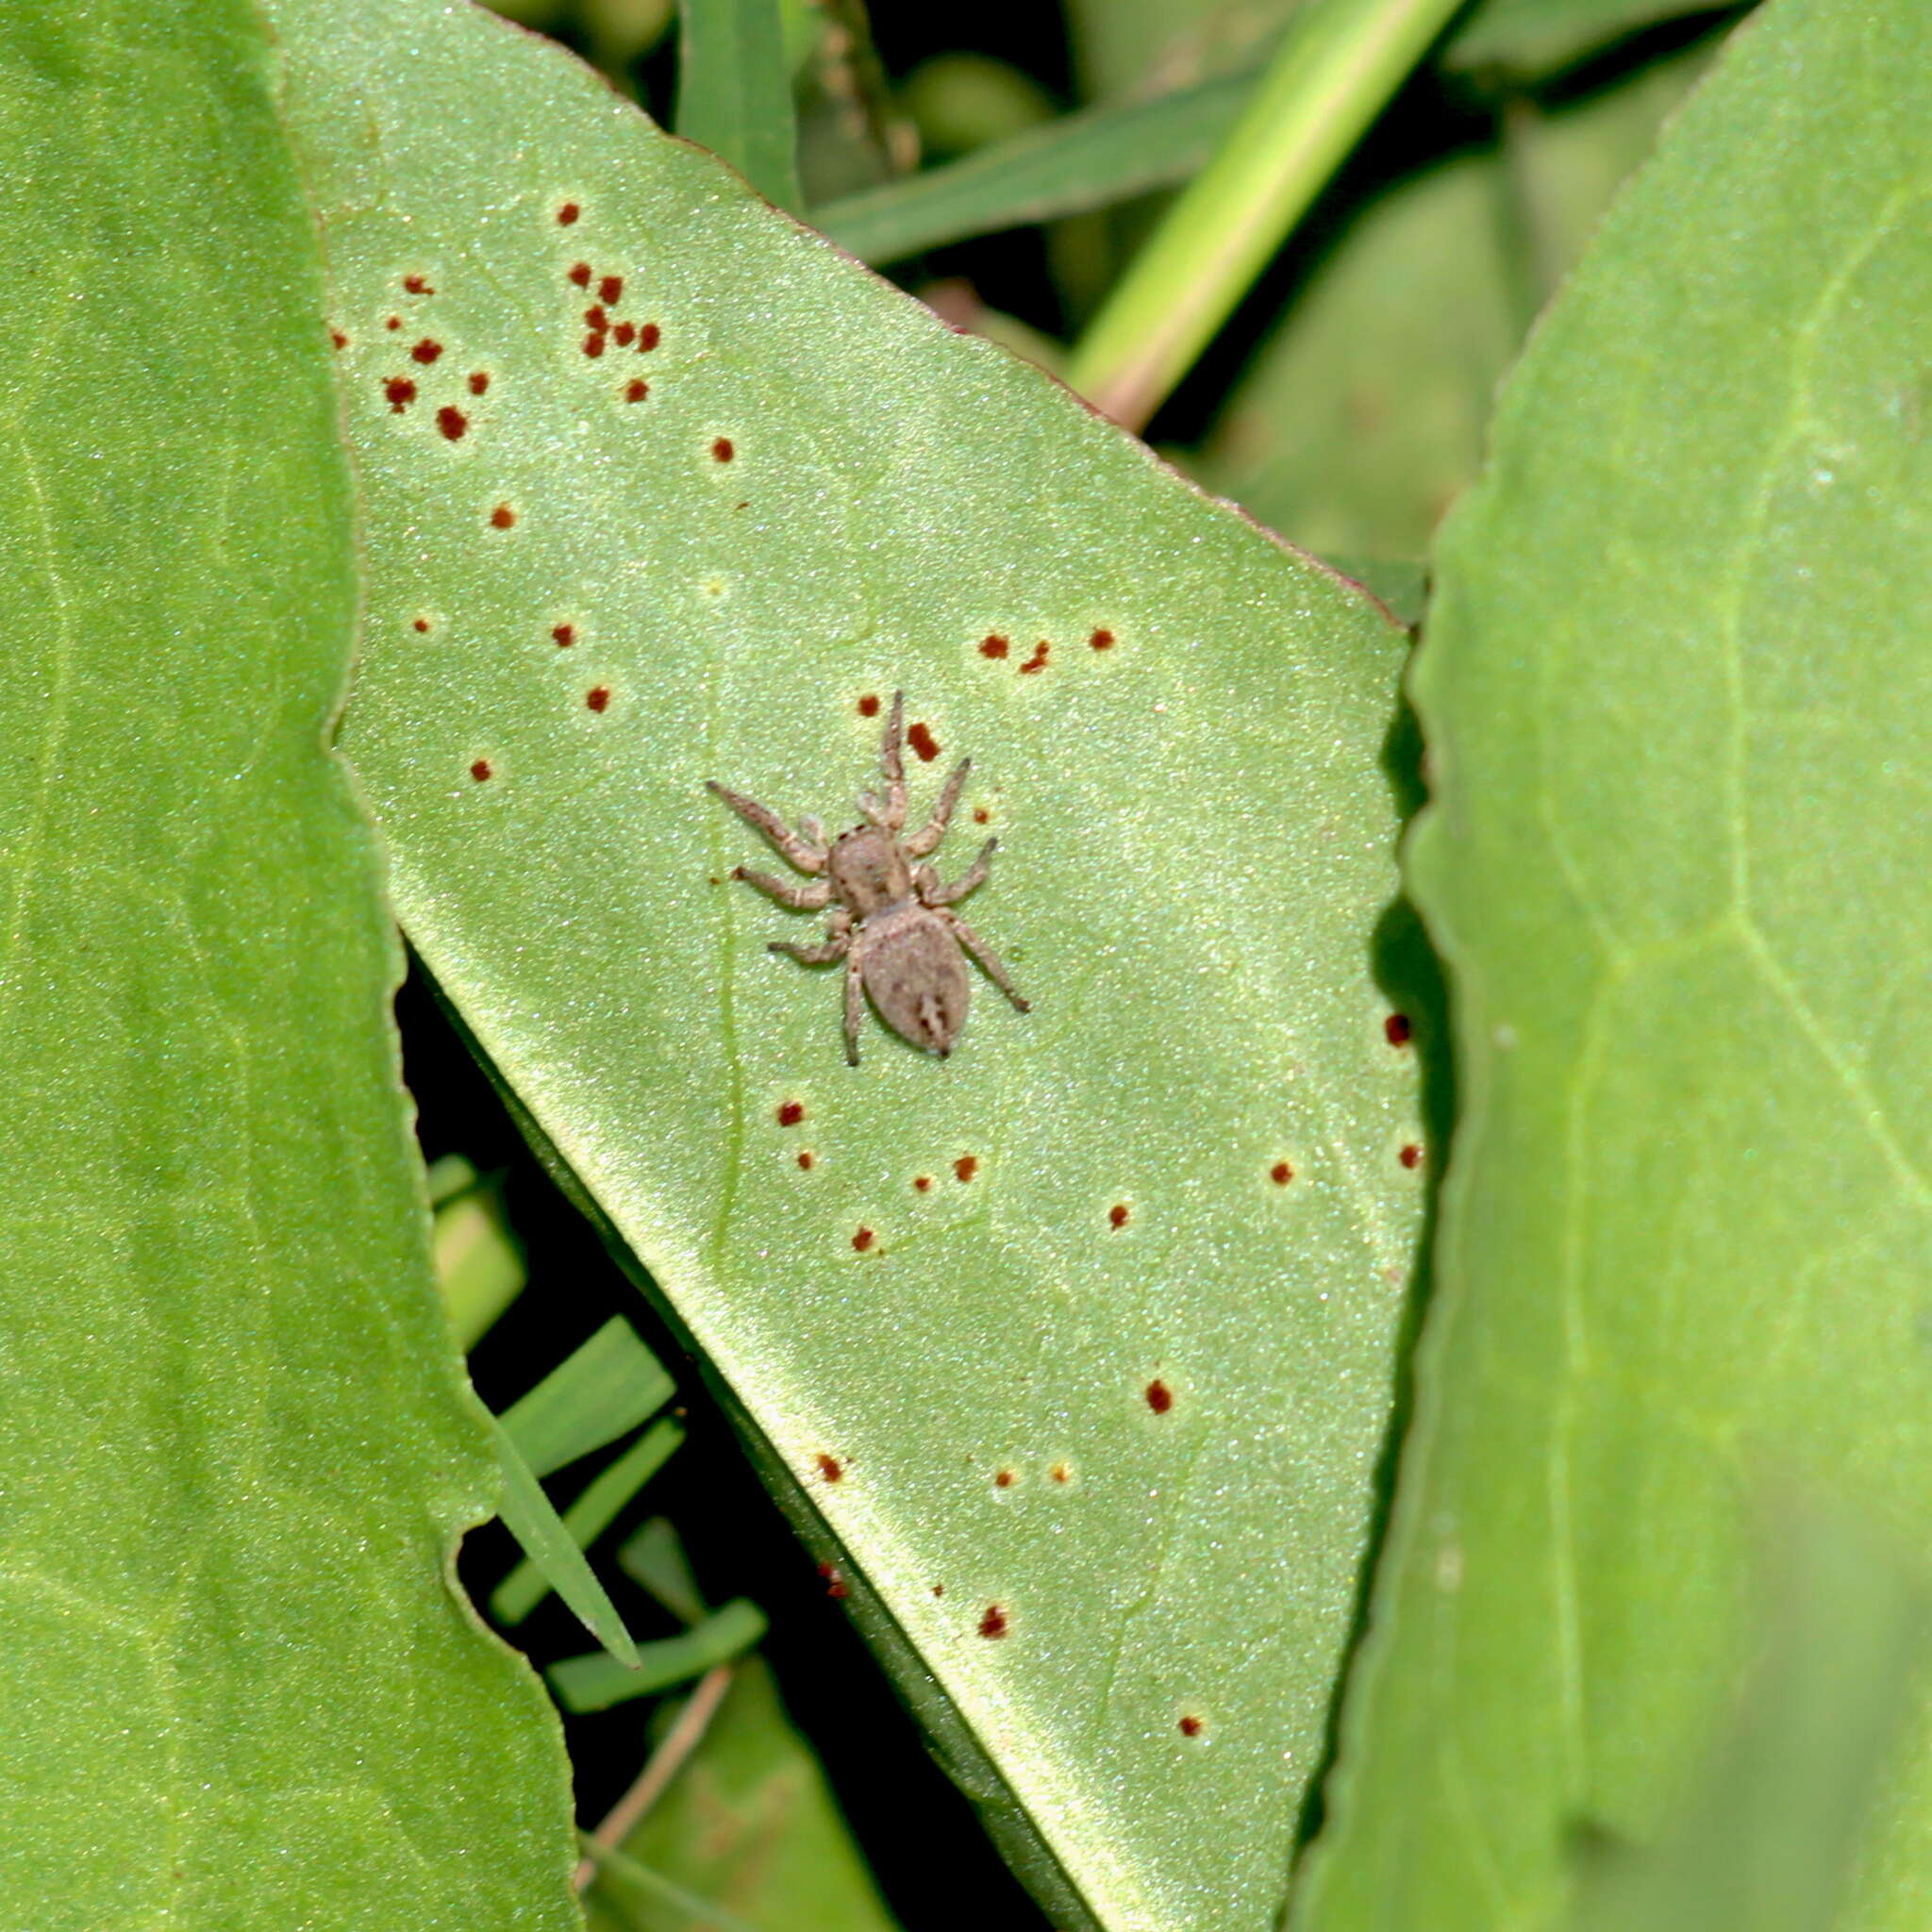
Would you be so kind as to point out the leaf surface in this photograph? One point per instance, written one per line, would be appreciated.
(1676, 695)
(1073, 1351)
(238, 1447)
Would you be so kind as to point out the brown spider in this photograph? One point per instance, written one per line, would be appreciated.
(893, 924)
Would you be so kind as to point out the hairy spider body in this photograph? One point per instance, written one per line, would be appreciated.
(891, 918)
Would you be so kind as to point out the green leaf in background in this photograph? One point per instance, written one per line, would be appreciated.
(479, 1268)
(1676, 695)
(529, 1517)
(1074, 1351)
(595, 1681)
(602, 1391)
(1078, 162)
(749, 1822)
(591, 1514)
(734, 91)
(1365, 413)
(239, 1449)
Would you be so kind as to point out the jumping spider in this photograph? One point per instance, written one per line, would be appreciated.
(891, 923)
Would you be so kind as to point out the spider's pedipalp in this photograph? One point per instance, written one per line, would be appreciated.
(930, 835)
(802, 852)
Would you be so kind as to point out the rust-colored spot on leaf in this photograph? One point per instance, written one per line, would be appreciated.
(939, 1589)
(426, 351)
(451, 421)
(636, 390)
(418, 285)
(480, 769)
(422, 624)
(1117, 1214)
(1396, 1029)
(922, 742)
(1038, 661)
(1159, 1396)
(995, 1622)
(1004, 1479)
(567, 214)
(595, 318)
(1411, 1156)
(394, 322)
(479, 381)
(1191, 1727)
(1102, 641)
(790, 1112)
(981, 815)
(580, 274)
(1060, 1473)
(868, 706)
(966, 1166)
(922, 1182)
(400, 392)
(624, 335)
(805, 1159)
(502, 517)
(597, 697)
(722, 450)
(835, 1584)
(1281, 1174)
(610, 290)
(338, 339)
(563, 635)
(594, 345)
(993, 646)
(831, 1468)
(863, 1239)
(649, 336)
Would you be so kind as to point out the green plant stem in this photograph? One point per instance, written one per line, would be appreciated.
(1335, 72)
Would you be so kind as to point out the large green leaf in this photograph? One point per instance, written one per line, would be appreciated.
(237, 1692)
(1678, 694)
(1080, 1395)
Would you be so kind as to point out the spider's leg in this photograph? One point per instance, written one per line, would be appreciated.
(890, 811)
(801, 852)
(855, 1004)
(988, 958)
(801, 898)
(934, 893)
(934, 830)
(812, 955)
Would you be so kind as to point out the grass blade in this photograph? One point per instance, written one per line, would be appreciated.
(602, 1391)
(734, 91)
(595, 1682)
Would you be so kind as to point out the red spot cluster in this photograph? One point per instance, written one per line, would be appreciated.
(790, 1112)
(602, 327)
(831, 1468)
(922, 742)
(1398, 1030)
(869, 705)
(966, 1166)
(995, 1622)
(1159, 1396)
(863, 1239)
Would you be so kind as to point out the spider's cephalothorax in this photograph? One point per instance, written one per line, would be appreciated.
(892, 922)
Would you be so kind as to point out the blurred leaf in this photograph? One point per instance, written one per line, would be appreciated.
(604, 1497)
(959, 102)
(602, 1391)
(1078, 162)
(1674, 687)
(638, 1898)
(239, 1450)
(596, 1681)
(734, 91)
(1364, 414)
(653, 1558)
(1530, 38)
(826, 495)
(750, 1823)
(528, 1516)
(479, 1264)
(1770, 1836)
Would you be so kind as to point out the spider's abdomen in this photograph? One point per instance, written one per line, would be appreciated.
(912, 969)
